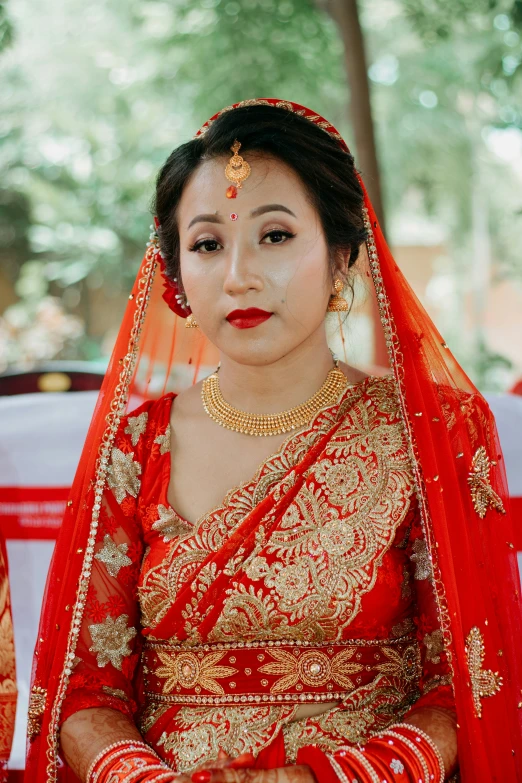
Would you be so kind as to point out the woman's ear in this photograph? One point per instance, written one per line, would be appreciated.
(342, 262)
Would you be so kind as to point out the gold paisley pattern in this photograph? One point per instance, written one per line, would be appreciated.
(199, 732)
(324, 556)
(484, 682)
(368, 709)
(302, 583)
(159, 585)
(329, 544)
(482, 493)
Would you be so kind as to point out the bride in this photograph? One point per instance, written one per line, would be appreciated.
(288, 570)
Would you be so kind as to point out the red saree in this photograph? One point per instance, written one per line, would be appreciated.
(369, 562)
(8, 690)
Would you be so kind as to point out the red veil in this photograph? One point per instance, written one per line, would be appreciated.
(460, 483)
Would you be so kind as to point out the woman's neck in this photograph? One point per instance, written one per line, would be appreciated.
(275, 387)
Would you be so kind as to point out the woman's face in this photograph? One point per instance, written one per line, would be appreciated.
(273, 257)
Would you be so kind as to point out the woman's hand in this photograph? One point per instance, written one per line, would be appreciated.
(294, 774)
(239, 770)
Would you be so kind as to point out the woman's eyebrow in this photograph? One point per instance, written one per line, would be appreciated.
(210, 218)
(270, 208)
(216, 218)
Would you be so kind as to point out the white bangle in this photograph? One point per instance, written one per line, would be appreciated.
(131, 746)
(343, 778)
(432, 745)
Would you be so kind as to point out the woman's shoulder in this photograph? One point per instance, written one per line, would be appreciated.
(143, 420)
(149, 410)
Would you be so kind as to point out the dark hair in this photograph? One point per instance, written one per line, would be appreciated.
(326, 170)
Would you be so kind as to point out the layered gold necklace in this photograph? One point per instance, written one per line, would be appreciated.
(270, 423)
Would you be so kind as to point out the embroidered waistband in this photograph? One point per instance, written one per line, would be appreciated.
(273, 671)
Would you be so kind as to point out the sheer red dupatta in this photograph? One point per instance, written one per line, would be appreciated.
(461, 487)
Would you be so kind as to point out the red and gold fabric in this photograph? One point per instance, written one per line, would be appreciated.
(8, 689)
(381, 528)
(311, 583)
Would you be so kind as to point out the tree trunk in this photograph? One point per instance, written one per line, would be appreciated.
(346, 15)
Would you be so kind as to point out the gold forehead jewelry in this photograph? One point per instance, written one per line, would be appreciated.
(237, 170)
(270, 423)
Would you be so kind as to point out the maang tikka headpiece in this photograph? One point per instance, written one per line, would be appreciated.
(237, 170)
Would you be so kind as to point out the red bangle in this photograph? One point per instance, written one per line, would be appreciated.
(318, 763)
(399, 759)
(429, 748)
(129, 762)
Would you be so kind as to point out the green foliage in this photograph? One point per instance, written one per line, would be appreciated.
(6, 28)
(94, 105)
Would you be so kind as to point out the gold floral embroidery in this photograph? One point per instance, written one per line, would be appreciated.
(482, 493)
(421, 558)
(7, 653)
(437, 682)
(116, 692)
(8, 689)
(159, 585)
(326, 551)
(403, 666)
(403, 628)
(136, 426)
(368, 709)
(313, 668)
(163, 441)
(196, 734)
(170, 525)
(484, 682)
(110, 640)
(36, 710)
(151, 713)
(113, 556)
(306, 580)
(122, 475)
(434, 645)
(187, 670)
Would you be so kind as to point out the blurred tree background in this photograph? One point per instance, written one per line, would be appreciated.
(96, 94)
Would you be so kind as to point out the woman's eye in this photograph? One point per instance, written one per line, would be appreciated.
(277, 235)
(209, 245)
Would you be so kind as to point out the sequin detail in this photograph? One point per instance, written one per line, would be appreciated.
(484, 682)
(122, 475)
(113, 556)
(482, 493)
(110, 640)
(136, 426)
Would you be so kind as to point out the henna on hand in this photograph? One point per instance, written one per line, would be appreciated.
(441, 726)
(87, 732)
(292, 774)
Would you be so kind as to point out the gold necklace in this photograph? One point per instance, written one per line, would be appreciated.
(270, 423)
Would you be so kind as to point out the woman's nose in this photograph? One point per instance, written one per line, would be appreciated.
(241, 273)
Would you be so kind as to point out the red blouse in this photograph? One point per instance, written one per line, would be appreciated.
(311, 582)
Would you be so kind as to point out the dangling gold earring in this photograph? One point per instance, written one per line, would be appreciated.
(190, 322)
(337, 303)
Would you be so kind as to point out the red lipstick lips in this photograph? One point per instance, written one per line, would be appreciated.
(246, 319)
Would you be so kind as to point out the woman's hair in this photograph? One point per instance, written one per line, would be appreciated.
(326, 170)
